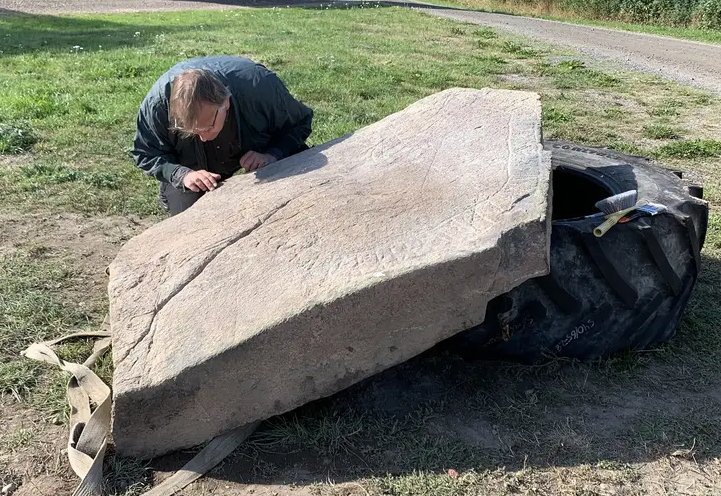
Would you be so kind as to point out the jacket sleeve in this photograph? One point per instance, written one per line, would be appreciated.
(290, 120)
(152, 149)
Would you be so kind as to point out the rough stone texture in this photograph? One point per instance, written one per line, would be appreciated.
(297, 281)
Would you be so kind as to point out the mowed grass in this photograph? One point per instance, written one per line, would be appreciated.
(70, 91)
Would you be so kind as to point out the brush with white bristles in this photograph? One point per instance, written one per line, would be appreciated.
(615, 207)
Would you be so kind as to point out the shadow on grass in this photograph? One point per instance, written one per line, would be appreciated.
(329, 4)
(438, 411)
(23, 33)
(27, 33)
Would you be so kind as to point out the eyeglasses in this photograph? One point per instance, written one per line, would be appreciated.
(199, 130)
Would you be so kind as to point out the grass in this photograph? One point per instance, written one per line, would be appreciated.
(698, 148)
(31, 309)
(694, 429)
(659, 131)
(74, 84)
(18, 439)
(573, 74)
(16, 138)
(34, 306)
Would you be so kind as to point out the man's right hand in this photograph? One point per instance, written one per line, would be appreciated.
(201, 180)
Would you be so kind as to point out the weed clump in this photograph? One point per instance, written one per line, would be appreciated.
(573, 74)
(42, 174)
(555, 115)
(517, 49)
(698, 148)
(486, 33)
(16, 137)
(657, 131)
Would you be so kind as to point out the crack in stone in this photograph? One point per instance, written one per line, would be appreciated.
(520, 199)
(149, 333)
(243, 234)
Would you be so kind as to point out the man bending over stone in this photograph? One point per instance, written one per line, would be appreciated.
(208, 117)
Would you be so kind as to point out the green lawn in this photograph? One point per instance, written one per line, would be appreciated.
(70, 88)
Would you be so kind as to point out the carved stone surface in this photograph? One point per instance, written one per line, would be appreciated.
(294, 282)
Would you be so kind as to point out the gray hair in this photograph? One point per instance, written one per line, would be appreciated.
(189, 90)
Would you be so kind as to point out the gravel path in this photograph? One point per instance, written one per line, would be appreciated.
(690, 62)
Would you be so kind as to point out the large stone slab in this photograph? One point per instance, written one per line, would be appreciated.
(297, 281)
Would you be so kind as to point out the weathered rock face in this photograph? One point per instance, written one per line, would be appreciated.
(322, 269)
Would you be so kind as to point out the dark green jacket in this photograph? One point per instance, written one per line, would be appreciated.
(269, 119)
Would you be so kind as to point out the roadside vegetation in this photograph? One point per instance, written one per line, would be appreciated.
(70, 196)
(704, 14)
(698, 20)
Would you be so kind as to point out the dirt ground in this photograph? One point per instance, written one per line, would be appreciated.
(546, 427)
(32, 447)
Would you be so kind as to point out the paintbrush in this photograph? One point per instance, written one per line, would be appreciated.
(615, 207)
(649, 209)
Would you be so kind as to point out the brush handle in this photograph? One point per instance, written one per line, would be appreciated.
(611, 221)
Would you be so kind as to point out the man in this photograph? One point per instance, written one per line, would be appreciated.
(207, 118)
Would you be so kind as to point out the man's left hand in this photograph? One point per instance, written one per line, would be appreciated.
(254, 160)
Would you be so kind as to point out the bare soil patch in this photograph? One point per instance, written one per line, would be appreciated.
(31, 452)
(89, 244)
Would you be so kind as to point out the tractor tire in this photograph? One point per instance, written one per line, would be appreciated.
(623, 291)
